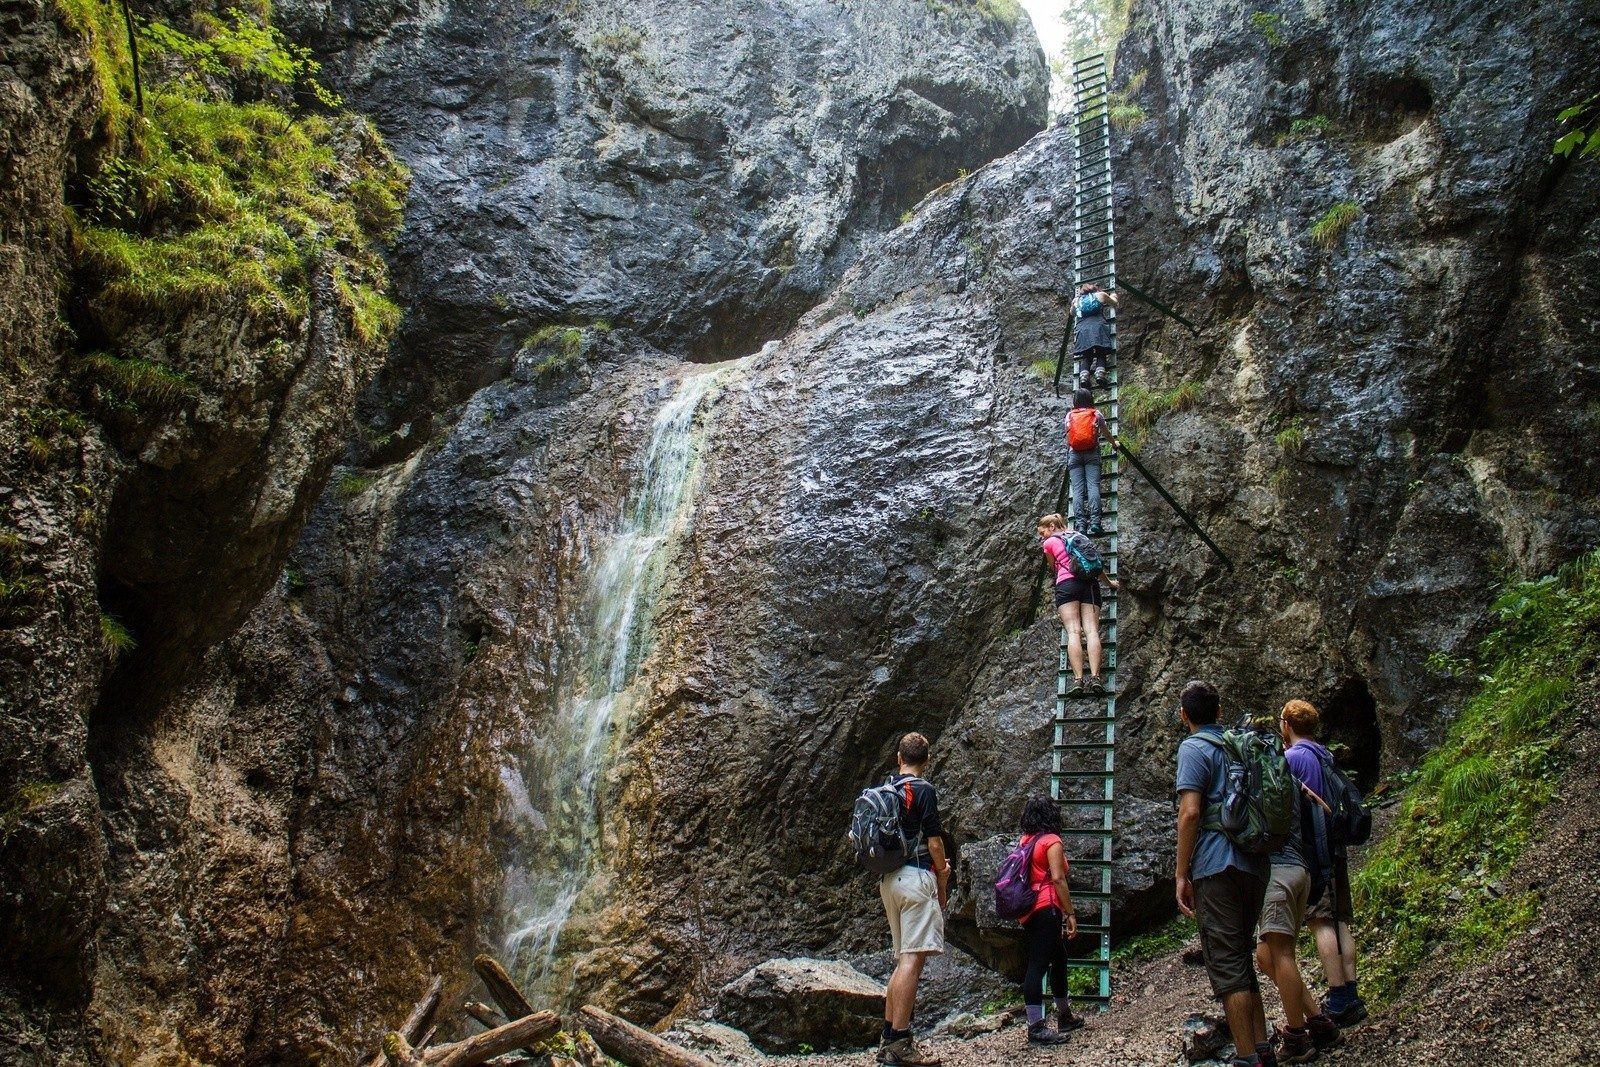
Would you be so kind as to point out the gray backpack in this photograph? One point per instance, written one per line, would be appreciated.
(877, 831)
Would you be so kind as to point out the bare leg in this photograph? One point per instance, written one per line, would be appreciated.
(1246, 1020)
(1089, 617)
(1074, 626)
(901, 998)
(1275, 957)
(1338, 953)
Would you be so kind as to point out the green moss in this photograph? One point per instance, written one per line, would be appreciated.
(1327, 230)
(352, 485)
(224, 190)
(1292, 438)
(1310, 126)
(1435, 883)
(26, 797)
(102, 25)
(559, 346)
(1269, 26)
(1139, 408)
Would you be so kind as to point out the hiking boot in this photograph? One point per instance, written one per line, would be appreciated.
(1265, 1056)
(1078, 688)
(1100, 686)
(1294, 1046)
(1324, 1031)
(1349, 1015)
(1042, 1033)
(1097, 530)
(1067, 1021)
(1100, 378)
(907, 1051)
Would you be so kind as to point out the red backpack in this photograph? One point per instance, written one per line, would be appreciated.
(1082, 433)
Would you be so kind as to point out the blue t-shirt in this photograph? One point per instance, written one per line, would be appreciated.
(1202, 768)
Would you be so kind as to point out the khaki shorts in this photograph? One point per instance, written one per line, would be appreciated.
(1284, 909)
(911, 900)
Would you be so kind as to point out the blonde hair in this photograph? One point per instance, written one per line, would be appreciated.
(1053, 521)
(1303, 717)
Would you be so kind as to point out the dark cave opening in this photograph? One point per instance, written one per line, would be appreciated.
(1350, 729)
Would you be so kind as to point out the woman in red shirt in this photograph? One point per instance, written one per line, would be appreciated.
(1048, 926)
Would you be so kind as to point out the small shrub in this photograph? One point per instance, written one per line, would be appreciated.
(1306, 128)
(905, 216)
(1269, 26)
(352, 485)
(1043, 368)
(1327, 230)
(562, 347)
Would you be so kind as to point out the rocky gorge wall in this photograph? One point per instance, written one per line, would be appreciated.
(315, 818)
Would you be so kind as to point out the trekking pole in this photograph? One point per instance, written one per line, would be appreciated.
(1158, 305)
(1184, 515)
(1033, 602)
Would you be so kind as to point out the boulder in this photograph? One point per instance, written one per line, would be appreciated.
(718, 1043)
(789, 1003)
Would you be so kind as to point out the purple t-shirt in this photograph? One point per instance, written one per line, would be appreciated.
(1305, 763)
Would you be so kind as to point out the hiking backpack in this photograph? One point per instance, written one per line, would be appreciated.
(1088, 304)
(1084, 554)
(1014, 894)
(1083, 433)
(1260, 795)
(1350, 822)
(876, 831)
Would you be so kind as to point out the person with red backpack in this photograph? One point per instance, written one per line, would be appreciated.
(1049, 921)
(1078, 574)
(1086, 427)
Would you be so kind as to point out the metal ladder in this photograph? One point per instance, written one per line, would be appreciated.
(1083, 753)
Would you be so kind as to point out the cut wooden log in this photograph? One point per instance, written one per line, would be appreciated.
(484, 1014)
(513, 1005)
(633, 1046)
(421, 1015)
(529, 1030)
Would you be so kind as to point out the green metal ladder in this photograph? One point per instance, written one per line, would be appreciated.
(1083, 753)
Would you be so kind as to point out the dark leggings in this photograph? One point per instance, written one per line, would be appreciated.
(1046, 951)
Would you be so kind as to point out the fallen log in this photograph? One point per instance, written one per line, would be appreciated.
(421, 1015)
(513, 1005)
(529, 1030)
(635, 1047)
(484, 1014)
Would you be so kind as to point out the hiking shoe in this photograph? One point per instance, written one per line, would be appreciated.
(1066, 1021)
(1100, 378)
(1265, 1056)
(1100, 686)
(1349, 1015)
(1294, 1046)
(907, 1051)
(1324, 1031)
(1097, 530)
(1078, 688)
(1042, 1033)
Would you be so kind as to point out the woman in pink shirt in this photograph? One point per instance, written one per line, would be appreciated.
(1050, 924)
(1078, 601)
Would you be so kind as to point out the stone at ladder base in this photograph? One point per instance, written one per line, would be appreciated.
(789, 1003)
(1205, 1039)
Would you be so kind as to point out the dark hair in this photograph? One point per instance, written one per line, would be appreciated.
(1083, 398)
(913, 750)
(1040, 815)
(1200, 702)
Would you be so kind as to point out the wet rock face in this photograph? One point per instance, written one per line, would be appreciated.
(697, 173)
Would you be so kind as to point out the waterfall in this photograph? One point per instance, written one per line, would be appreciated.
(557, 800)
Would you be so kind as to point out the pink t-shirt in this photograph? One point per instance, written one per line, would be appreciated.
(1055, 546)
(1039, 873)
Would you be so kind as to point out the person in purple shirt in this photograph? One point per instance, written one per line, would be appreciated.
(1330, 914)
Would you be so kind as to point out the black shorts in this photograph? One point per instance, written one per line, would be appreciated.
(1078, 591)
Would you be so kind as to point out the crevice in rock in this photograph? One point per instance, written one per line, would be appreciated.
(1391, 106)
(1350, 728)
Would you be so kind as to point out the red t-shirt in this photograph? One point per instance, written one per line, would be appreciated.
(1039, 873)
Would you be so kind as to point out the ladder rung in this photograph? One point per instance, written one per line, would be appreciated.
(1084, 776)
(1080, 803)
(1088, 962)
(1090, 863)
(1096, 720)
(1090, 894)
(1098, 746)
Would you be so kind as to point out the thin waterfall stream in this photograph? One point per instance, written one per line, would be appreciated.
(556, 791)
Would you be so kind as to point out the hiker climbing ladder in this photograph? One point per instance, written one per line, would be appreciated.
(1083, 758)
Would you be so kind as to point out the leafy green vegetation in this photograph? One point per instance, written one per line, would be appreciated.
(560, 346)
(1141, 408)
(1127, 115)
(1435, 883)
(1164, 939)
(352, 484)
(114, 636)
(1269, 26)
(225, 188)
(1292, 438)
(1584, 135)
(1307, 128)
(1327, 230)
(1095, 26)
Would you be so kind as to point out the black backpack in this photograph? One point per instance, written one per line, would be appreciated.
(1350, 820)
(877, 831)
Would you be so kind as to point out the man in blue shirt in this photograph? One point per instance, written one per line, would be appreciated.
(1218, 885)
